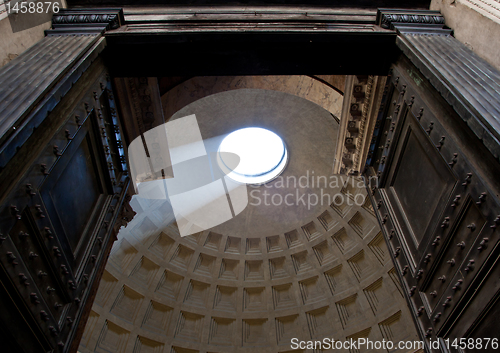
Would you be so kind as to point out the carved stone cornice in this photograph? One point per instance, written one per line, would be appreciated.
(86, 21)
(112, 21)
(425, 21)
(389, 19)
(361, 98)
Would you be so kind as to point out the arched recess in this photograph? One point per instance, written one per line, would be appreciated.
(319, 90)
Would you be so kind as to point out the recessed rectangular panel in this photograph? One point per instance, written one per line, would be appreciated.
(418, 185)
(76, 192)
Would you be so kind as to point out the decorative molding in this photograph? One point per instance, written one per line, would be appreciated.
(363, 123)
(342, 158)
(419, 21)
(388, 20)
(111, 21)
(361, 99)
(85, 21)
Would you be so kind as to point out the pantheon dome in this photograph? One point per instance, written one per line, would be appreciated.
(276, 271)
(209, 176)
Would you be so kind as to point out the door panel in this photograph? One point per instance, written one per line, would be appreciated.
(56, 221)
(419, 169)
(78, 169)
(439, 211)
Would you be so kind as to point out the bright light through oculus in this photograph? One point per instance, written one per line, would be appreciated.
(262, 155)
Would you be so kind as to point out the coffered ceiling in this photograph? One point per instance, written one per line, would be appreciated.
(272, 273)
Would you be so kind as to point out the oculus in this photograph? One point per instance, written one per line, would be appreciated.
(262, 155)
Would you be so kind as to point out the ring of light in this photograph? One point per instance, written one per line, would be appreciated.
(262, 153)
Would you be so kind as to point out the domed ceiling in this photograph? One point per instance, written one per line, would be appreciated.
(304, 269)
(310, 135)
